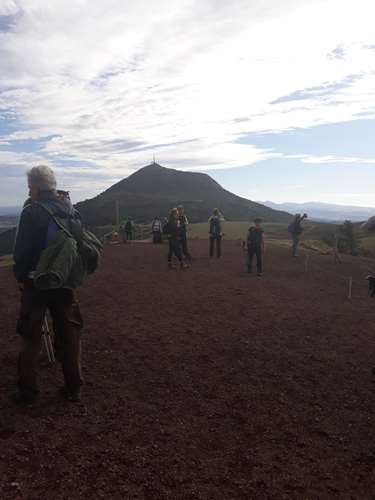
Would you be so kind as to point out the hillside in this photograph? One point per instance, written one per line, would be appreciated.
(326, 211)
(7, 241)
(153, 190)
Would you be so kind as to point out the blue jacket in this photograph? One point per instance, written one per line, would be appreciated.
(34, 231)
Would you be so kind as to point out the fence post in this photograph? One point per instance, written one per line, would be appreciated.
(307, 262)
(350, 288)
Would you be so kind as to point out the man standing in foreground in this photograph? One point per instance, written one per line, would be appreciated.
(36, 229)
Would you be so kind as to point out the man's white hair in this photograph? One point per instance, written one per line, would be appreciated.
(42, 177)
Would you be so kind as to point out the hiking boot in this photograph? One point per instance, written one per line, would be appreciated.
(183, 265)
(259, 275)
(72, 396)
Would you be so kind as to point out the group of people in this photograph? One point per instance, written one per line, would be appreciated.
(176, 230)
(49, 213)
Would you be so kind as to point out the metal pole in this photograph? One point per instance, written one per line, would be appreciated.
(350, 288)
(48, 341)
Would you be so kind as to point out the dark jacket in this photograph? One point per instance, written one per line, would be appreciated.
(173, 229)
(183, 224)
(254, 237)
(33, 229)
(215, 226)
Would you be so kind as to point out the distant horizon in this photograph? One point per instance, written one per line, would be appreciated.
(211, 174)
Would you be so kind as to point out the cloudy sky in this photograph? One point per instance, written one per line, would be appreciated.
(276, 100)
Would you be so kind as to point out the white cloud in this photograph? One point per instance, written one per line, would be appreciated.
(337, 159)
(178, 74)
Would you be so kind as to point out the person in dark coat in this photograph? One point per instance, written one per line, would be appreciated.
(36, 228)
(129, 230)
(173, 230)
(184, 227)
(255, 246)
(215, 233)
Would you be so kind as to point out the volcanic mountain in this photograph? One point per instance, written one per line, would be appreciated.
(154, 189)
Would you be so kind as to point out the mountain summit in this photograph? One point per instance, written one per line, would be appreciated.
(154, 190)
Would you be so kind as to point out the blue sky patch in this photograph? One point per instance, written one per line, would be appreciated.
(318, 91)
(6, 23)
(353, 138)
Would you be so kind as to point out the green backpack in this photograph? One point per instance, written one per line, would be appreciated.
(88, 246)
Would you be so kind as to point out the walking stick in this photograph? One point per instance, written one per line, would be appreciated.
(47, 338)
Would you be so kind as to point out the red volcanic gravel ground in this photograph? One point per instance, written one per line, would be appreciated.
(202, 384)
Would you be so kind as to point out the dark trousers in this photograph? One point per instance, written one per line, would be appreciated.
(129, 235)
(184, 247)
(215, 240)
(174, 249)
(257, 251)
(67, 325)
(156, 237)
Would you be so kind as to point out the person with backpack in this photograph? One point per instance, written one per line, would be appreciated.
(183, 225)
(52, 252)
(157, 229)
(255, 246)
(215, 232)
(173, 230)
(296, 230)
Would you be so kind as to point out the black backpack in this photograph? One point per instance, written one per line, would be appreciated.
(215, 226)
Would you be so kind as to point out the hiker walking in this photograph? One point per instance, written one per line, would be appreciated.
(48, 268)
(157, 229)
(173, 230)
(255, 246)
(183, 228)
(296, 229)
(215, 232)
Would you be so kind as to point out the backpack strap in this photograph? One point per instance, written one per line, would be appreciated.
(55, 220)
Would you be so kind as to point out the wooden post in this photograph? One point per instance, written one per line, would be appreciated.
(350, 288)
(307, 262)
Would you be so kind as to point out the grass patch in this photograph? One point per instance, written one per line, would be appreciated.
(6, 261)
(275, 231)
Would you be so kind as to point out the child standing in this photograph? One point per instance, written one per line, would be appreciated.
(255, 246)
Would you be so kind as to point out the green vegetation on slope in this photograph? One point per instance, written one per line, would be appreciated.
(6, 261)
